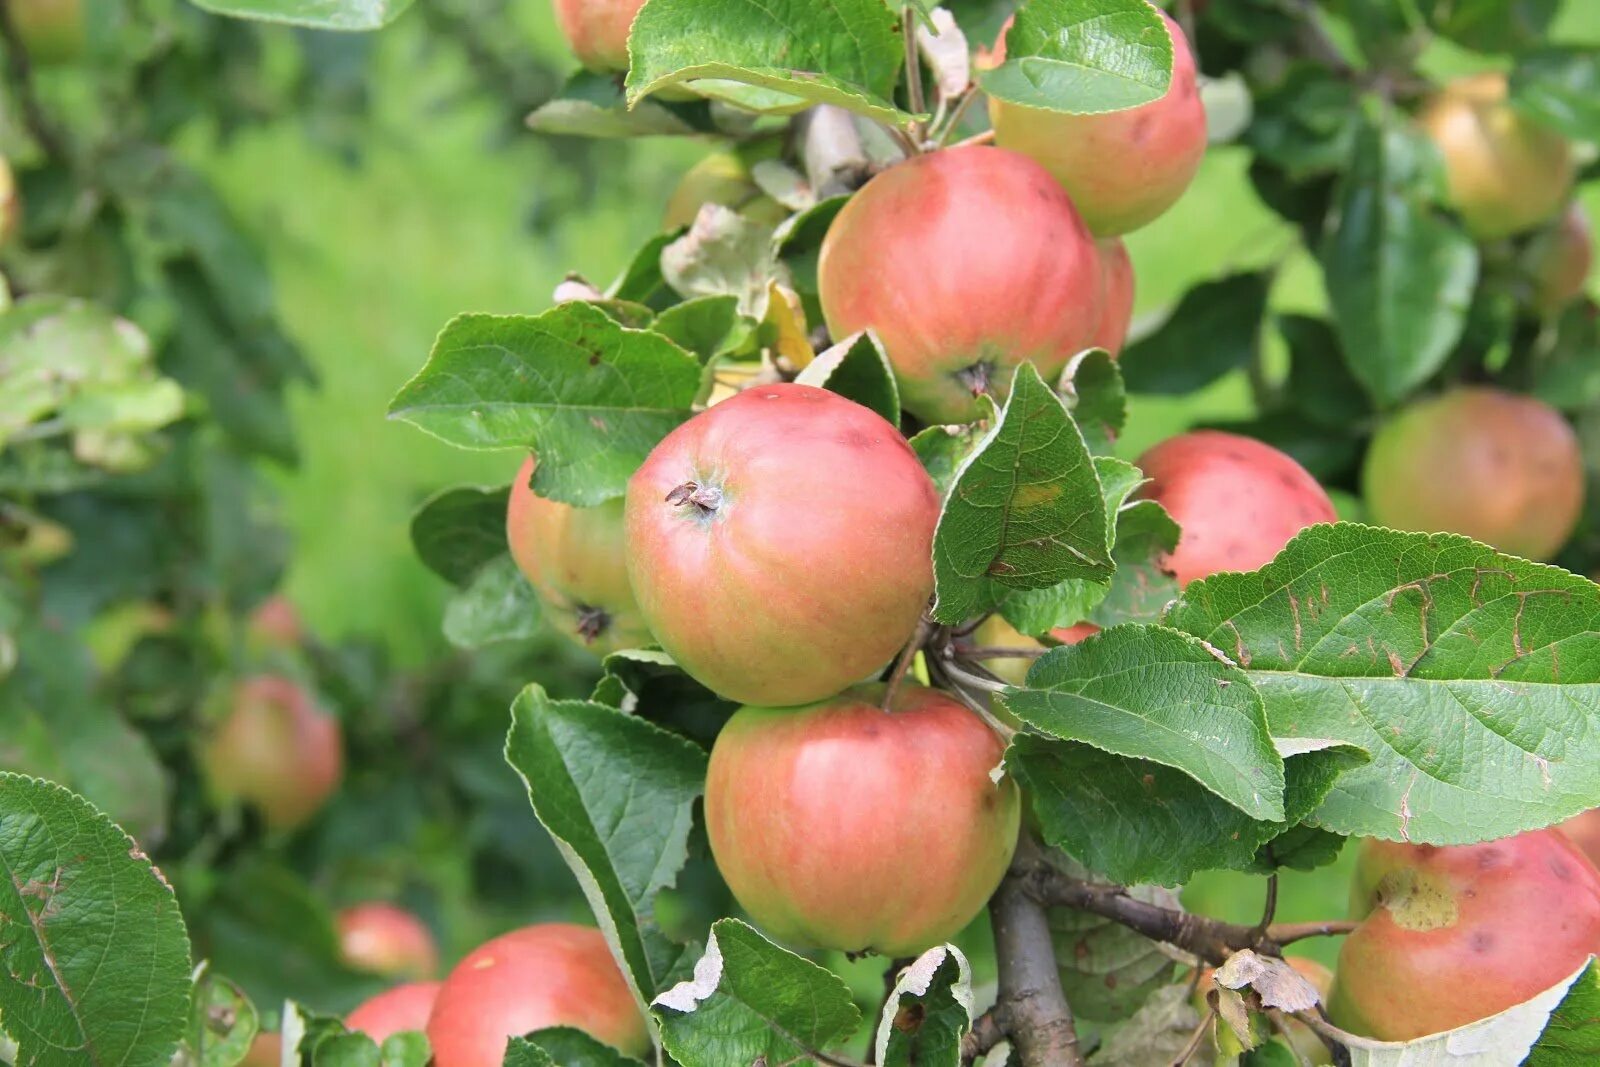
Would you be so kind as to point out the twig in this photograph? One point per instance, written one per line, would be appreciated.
(978, 138)
(1336, 1040)
(953, 123)
(1193, 1044)
(978, 707)
(903, 664)
(1039, 1018)
(991, 652)
(1270, 909)
(988, 1030)
(19, 75)
(960, 674)
(1289, 933)
(914, 90)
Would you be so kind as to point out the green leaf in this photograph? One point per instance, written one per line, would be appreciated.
(927, 1011)
(590, 396)
(723, 254)
(592, 105)
(641, 281)
(563, 1046)
(1093, 389)
(708, 326)
(1469, 676)
(1140, 589)
(858, 369)
(1153, 693)
(1494, 26)
(1321, 387)
(456, 531)
(409, 1048)
(1026, 510)
(1307, 124)
(497, 604)
(844, 52)
(1567, 376)
(1083, 56)
(1560, 87)
(1107, 970)
(316, 14)
(1572, 1037)
(799, 245)
(1216, 328)
(625, 844)
(943, 450)
(1157, 1033)
(751, 1000)
(223, 1023)
(95, 951)
(646, 682)
(1399, 276)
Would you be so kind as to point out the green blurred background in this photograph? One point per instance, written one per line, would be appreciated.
(442, 213)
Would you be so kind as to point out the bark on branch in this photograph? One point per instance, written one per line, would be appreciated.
(1031, 1006)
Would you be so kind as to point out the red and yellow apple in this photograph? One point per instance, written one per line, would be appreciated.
(573, 558)
(1499, 467)
(1558, 261)
(996, 632)
(1452, 935)
(1583, 830)
(967, 262)
(850, 826)
(1121, 168)
(52, 31)
(780, 544)
(266, 1050)
(394, 1011)
(274, 750)
(1237, 500)
(597, 30)
(1506, 173)
(382, 939)
(552, 974)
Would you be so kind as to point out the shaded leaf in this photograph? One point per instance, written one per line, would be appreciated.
(1216, 328)
(457, 531)
(497, 604)
(858, 369)
(927, 1011)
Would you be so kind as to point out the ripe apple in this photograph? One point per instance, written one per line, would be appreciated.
(1452, 935)
(266, 1050)
(1506, 173)
(1238, 501)
(720, 178)
(275, 624)
(1584, 831)
(1116, 299)
(1122, 168)
(597, 30)
(847, 826)
(381, 939)
(553, 974)
(52, 31)
(1558, 261)
(996, 632)
(275, 750)
(10, 203)
(394, 1011)
(573, 558)
(1502, 468)
(780, 544)
(967, 262)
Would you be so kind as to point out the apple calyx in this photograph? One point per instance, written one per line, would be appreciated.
(705, 498)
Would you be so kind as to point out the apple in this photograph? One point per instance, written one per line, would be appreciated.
(721, 178)
(266, 1050)
(573, 558)
(1584, 831)
(1237, 500)
(597, 30)
(1456, 934)
(1506, 173)
(275, 624)
(967, 262)
(381, 939)
(1301, 1037)
(780, 544)
(1558, 260)
(52, 31)
(10, 203)
(275, 750)
(996, 632)
(849, 826)
(1116, 300)
(1499, 467)
(552, 974)
(1121, 168)
(394, 1011)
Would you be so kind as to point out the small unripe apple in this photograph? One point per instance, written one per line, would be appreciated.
(553, 974)
(597, 30)
(1122, 168)
(967, 262)
(849, 826)
(574, 559)
(381, 939)
(780, 544)
(720, 178)
(1452, 935)
(1237, 500)
(1558, 261)
(996, 632)
(1116, 299)
(394, 1011)
(52, 31)
(1499, 467)
(275, 750)
(1506, 173)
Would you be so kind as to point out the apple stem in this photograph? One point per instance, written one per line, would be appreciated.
(707, 498)
(903, 664)
(914, 89)
(1193, 1044)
